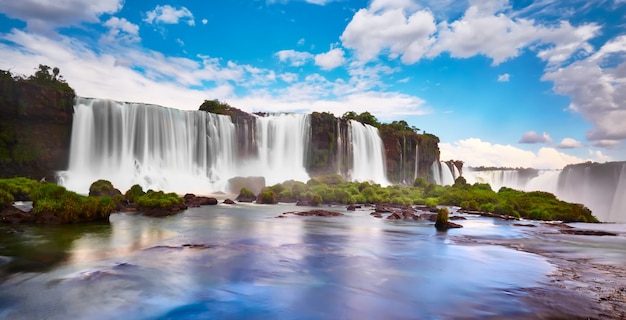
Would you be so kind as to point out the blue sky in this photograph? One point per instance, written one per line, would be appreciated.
(502, 83)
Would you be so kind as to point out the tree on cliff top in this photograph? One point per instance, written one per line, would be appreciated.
(364, 117)
(43, 77)
(215, 106)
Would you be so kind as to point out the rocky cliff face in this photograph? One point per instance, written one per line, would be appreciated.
(35, 129)
(408, 154)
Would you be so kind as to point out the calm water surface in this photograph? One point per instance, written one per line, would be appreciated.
(225, 262)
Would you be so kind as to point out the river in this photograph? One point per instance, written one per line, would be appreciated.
(240, 261)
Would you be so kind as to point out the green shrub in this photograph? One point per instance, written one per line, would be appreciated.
(441, 223)
(487, 207)
(470, 205)
(134, 192)
(6, 199)
(20, 187)
(158, 199)
(316, 199)
(244, 192)
(431, 202)
(331, 179)
(267, 196)
(100, 186)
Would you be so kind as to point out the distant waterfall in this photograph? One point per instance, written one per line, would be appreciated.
(156, 147)
(368, 154)
(600, 187)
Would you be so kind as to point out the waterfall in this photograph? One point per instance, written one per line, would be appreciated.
(282, 141)
(443, 174)
(194, 151)
(155, 147)
(417, 161)
(600, 187)
(368, 154)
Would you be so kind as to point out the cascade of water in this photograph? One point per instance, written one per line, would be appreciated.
(417, 161)
(618, 205)
(282, 141)
(155, 147)
(368, 154)
(447, 177)
(435, 169)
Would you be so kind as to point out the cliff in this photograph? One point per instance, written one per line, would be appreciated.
(35, 128)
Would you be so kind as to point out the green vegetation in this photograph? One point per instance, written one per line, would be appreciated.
(268, 195)
(134, 193)
(158, 199)
(479, 197)
(244, 192)
(215, 106)
(441, 223)
(54, 80)
(19, 188)
(100, 187)
(364, 117)
(54, 204)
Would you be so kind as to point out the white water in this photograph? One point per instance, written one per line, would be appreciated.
(282, 141)
(442, 173)
(368, 154)
(155, 147)
(194, 151)
(601, 190)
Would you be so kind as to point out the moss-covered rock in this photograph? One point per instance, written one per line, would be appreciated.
(160, 204)
(246, 195)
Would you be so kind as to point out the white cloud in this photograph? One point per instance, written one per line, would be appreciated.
(41, 16)
(205, 21)
(569, 143)
(533, 137)
(288, 77)
(294, 58)
(169, 15)
(121, 30)
(597, 92)
(301, 42)
(331, 59)
(475, 152)
(504, 77)
(387, 29)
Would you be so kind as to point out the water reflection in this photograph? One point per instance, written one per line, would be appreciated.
(242, 262)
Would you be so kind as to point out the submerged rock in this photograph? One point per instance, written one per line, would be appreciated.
(587, 232)
(317, 213)
(228, 201)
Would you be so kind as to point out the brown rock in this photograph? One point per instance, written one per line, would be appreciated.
(228, 201)
(317, 213)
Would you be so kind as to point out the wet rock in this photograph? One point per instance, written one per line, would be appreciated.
(317, 213)
(305, 203)
(163, 212)
(457, 218)
(191, 200)
(530, 225)
(228, 201)
(394, 216)
(428, 216)
(557, 225)
(254, 184)
(376, 215)
(587, 232)
(351, 207)
(499, 216)
(383, 209)
(14, 215)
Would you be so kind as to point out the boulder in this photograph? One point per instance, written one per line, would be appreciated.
(163, 212)
(14, 215)
(394, 216)
(587, 232)
(254, 184)
(191, 200)
(228, 201)
(351, 207)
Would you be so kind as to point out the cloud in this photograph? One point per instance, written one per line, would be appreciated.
(169, 15)
(385, 28)
(475, 152)
(301, 42)
(597, 87)
(488, 29)
(205, 21)
(331, 59)
(41, 16)
(121, 30)
(532, 137)
(569, 143)
(294, 58)
(504, 77)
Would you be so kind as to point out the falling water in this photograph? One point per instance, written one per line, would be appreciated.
(282, 140)
(600, 187)
(368, 154)
(155, 147)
